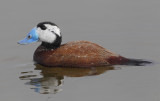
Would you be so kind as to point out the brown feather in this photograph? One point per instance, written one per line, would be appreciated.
(74, 54)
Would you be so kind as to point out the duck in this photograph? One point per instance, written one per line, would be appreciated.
(52, 53)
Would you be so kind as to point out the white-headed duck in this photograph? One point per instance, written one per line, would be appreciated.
(72, 54)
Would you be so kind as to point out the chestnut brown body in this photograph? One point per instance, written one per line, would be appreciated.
(77, 54)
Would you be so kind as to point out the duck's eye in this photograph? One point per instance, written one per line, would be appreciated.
(29, 36)
(52, 31)
(43, 27)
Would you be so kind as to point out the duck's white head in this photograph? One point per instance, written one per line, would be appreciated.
(46, 32)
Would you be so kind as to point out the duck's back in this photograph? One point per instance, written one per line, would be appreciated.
(74, 54)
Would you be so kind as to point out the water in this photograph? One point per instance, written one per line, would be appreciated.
(130, 28)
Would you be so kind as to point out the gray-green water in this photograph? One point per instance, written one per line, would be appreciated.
(127, 27)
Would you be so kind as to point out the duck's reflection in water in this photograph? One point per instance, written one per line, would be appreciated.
(49, 80)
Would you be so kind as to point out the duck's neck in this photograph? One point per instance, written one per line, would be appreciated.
(53, 45)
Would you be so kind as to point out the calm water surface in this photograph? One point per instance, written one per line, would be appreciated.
(130, 28)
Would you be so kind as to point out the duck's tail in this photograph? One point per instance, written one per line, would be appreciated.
(126, 61)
